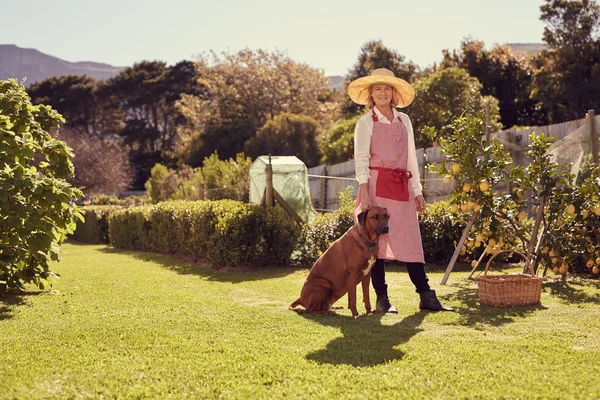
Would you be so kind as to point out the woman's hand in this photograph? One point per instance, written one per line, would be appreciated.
(420, 203)
(365, 199)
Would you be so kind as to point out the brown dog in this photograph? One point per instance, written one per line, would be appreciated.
(344, 264)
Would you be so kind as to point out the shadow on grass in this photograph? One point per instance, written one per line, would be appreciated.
(573, 291)
(365, 341)
(473, 314)
(186, 267)
(9, 301)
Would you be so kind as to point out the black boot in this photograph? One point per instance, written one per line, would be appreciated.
(383, 305)
(429, 301)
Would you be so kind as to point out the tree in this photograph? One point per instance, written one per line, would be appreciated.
(445, 96)
(567, 77)
(287, 135)
(36, 201)
(147, 94)
(504, 74)
(101, 166)
(247, 89)
(373, 54)
(80, 101)
(337, 144)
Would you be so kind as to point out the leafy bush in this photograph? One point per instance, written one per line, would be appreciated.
(36, 202)
(95, 227)
(222, 232)
(106, 200)
(440, 231)
(327, 228)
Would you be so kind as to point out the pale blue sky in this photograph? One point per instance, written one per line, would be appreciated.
(325, 34)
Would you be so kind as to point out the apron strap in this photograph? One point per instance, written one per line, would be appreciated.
(374, 116)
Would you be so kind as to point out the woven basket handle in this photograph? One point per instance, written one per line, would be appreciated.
(527, 262)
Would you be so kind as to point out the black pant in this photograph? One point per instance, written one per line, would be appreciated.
(416, 273)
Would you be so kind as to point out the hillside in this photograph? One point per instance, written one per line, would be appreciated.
(19, 63)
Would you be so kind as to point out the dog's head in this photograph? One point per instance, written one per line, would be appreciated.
(375, 220)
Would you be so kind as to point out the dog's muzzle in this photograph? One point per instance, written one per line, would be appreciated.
(384, 229)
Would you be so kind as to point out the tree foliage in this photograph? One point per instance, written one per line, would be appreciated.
(247, 89)
(445, 96)
(504, 74)
(101, 165)
(36, 202)
(337, 144)
(147, 93)
(567, 77)
(287, 135)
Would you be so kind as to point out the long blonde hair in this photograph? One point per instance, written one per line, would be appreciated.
(395, 96)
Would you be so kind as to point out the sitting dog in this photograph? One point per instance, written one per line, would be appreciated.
(344, 264)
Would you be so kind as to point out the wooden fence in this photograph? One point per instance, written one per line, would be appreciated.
(326, 182)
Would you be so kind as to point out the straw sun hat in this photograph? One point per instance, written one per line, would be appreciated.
(358, 90)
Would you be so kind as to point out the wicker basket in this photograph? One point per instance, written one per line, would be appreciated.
(509, 289)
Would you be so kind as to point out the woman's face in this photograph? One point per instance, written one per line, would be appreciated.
(382, 95)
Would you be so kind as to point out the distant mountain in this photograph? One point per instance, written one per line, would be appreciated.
(528, 48)
(19, 63)
(336, 83)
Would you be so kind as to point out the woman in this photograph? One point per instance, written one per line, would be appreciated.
(388, 176)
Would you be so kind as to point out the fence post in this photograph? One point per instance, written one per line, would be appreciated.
(201, 190)
(269, 184)
(593, 135)
(323, 197)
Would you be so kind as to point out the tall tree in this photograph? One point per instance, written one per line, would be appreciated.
(444, 96)
(373, 54)
(147, 94)
(504, 74)
(245, 90)
(287, 135)
(567, 79)
(79, 100)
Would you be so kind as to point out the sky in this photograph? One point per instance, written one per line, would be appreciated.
(325, 34)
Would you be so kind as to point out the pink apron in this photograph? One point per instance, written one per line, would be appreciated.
(389, 149)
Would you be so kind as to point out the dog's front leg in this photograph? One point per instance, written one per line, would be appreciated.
(352, 296)
(366, 283)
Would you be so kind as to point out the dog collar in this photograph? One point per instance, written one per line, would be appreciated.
(367, 243)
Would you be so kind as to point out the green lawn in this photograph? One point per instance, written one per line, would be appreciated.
(121, 324)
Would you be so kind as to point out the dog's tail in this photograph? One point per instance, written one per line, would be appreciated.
(294, 305)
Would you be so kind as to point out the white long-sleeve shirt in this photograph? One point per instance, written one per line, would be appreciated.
(362, 148)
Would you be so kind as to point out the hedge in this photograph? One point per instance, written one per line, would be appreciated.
(224, 232)
(95, 228)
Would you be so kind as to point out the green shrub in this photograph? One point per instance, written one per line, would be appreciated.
(106, 200)
(327, 228)
(224, 232)
(37, 207)
(440, 231)
(95, 227)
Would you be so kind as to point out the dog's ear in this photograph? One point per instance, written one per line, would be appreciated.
(362, 217)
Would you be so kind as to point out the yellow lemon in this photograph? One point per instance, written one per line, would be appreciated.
(546, 210)
(522, 215)
(447, 179)
(477, 208)
(597, 210)
(585, 214)
(554, 260)
(456, 168)
(563, 269)
(492, 242)
(467, 187)
(520, 193)
(464, 207)
(545, 250)
(598, 261)
(479, 237)
(595, 270)
(484, 186)
(474, 263)
(590, 263)
(551, 253)
(555, 270)
(453, 208)
(487, 222)
(571, 209)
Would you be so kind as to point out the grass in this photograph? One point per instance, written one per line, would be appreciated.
(123, 324)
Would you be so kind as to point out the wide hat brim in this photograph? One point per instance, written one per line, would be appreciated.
(358, 90)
